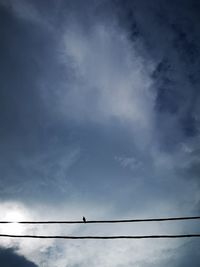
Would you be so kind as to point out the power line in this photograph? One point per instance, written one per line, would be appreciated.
(106, 221)
(100, 237)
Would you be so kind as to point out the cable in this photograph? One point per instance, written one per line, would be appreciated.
(106, 221)
(100, 237)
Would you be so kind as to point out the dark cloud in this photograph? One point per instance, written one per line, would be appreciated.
(185, 255)
(99, 103)
(27, 52)
(188, 254)
(170, 33)
(9, 258)
(40, 147)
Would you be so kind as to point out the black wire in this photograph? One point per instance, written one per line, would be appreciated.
(106, 221)
(100, 237)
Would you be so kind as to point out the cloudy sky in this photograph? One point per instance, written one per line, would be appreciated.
(99, 116)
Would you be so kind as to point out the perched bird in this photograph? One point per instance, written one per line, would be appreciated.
(84, 219)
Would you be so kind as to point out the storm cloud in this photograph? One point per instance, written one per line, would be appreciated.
(9, 258)
(99, 116)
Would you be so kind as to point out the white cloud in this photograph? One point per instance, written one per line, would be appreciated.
(84, 252)
(130, 162)
(110, 78)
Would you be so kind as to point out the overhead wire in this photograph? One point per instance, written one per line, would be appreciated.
(105, 221)
(101, 237)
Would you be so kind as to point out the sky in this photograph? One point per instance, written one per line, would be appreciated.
(99, 117)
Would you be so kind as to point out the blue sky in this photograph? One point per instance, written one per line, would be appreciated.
(99, 112)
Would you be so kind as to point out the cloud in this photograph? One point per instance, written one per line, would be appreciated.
(9, 258)
(109, 73)
(100, 118)
(181, 256)
(36, 154)
(61, 252)
(129, 162)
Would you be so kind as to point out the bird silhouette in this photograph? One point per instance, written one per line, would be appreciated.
(84, 219)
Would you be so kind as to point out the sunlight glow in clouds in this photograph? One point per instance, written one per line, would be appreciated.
(13, 228)
(13, 213)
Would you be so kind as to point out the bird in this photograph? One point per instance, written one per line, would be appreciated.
(84, 219)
